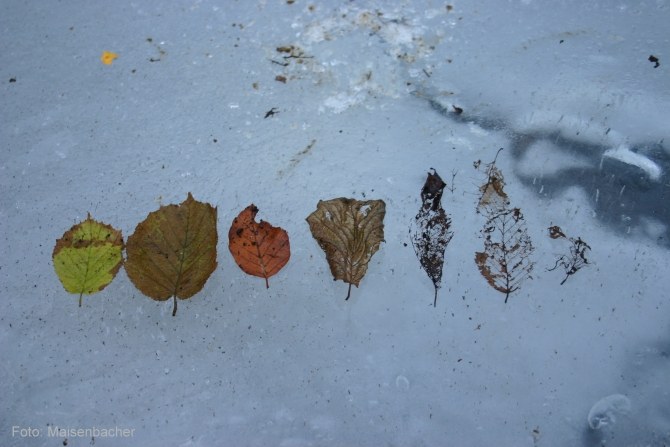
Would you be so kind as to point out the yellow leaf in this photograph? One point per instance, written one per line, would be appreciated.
(88, 256)
(173, 251)
(108, 57)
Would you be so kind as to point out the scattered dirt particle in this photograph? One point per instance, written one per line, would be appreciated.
(280, 78)
(654, 60)
(161, 51)
(290, 2)
(457, 110)
(255, 85)
(12, 80)
(272, 112)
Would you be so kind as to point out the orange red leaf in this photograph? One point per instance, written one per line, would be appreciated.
(258, 248)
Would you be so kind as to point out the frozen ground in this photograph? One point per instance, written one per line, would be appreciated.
(363, 106)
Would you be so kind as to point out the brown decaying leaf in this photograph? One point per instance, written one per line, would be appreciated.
(349, 231)
(505, 262)
(259, 249)
(173, 251)
(430, 233)
(555, 232)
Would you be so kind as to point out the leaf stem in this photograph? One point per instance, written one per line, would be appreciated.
(267, 284)
(348, 293)
(435, 300)
(174, 308)
(80, 295)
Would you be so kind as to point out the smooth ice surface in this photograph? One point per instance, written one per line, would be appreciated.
(284, 103)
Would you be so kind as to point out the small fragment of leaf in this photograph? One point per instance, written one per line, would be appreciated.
(578, 257)
(88, 256)
(172, 252)
(555, 232)
(108, 57)
(349, 231)
(493, 197)
(259, 249)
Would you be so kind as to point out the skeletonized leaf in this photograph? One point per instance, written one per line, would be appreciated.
(578, 250)
(349, 231)
(88, 256)
(173, 251)
(258, 248)
(430, 233)
(505, 262)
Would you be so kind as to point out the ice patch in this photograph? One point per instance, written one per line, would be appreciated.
(604, 411)
(402, 383)
(627, 156)
(341, 102)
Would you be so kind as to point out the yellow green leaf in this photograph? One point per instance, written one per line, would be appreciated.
(173, 251)
(88, 256)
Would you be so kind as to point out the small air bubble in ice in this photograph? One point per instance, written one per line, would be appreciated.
(402, 383)
(606, 410)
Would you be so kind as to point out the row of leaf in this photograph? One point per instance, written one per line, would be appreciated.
(506, 259)
(172, 252)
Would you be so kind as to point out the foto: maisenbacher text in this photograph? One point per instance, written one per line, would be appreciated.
(53, 431)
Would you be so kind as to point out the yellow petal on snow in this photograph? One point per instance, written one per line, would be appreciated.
(108, 57)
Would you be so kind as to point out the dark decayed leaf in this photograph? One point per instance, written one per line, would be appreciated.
(576, 259)
(258, 248)
(505, 261)
(349, 232)
(430, 233)
(173, 251)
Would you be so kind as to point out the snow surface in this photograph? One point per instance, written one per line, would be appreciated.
(365, 108)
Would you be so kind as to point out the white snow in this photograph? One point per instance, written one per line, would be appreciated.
(625, 155)
(566, 88)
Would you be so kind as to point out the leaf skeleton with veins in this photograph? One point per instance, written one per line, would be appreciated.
(505, 262)
(430, 232)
